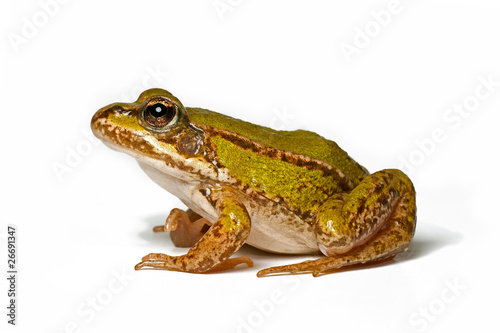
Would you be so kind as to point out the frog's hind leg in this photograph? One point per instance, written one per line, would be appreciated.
(185, 227)
(374, 222)
(375, 249)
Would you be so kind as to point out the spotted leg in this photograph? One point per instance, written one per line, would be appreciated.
(375, 221)
(212, 251)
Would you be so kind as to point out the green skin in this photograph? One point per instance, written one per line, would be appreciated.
(261, 186)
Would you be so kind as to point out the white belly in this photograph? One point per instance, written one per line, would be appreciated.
(274, 229)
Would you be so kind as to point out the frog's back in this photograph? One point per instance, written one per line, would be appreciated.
(299, 142)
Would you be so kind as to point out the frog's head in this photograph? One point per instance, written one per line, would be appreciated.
(156, 131)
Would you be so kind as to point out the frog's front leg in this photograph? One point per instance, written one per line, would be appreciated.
(185, 227)
(213, 250)
(375, 221)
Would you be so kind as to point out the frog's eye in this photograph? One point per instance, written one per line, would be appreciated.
(160, 114)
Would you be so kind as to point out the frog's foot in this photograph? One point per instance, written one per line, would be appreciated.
(328, 265)
(373, 222)
(309, 266)
(185, 228)
(212, 251)
(231, 263)
(163, 261)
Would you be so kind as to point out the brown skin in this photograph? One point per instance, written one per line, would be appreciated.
(185, 228)
(223, 239)
(393, 226)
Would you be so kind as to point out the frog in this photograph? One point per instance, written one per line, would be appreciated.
(287, 192)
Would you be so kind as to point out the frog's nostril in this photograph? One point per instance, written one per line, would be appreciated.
(120, 110)
(116, 109)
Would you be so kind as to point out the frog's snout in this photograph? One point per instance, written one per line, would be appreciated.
(99, 118)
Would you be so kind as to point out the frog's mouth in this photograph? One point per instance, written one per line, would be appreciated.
(113, 146)
(162, 157)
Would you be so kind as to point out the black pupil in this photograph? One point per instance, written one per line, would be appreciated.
(159, 114)
(158, 110)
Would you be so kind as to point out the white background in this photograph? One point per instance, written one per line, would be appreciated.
(275, 63)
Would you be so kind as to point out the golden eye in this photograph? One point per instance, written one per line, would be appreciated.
(160, 114)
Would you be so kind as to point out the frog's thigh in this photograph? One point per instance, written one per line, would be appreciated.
(185, 227)
(375, 221)
(225, 237)
(344, 223)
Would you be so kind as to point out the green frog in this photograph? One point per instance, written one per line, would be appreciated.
(279, 191)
